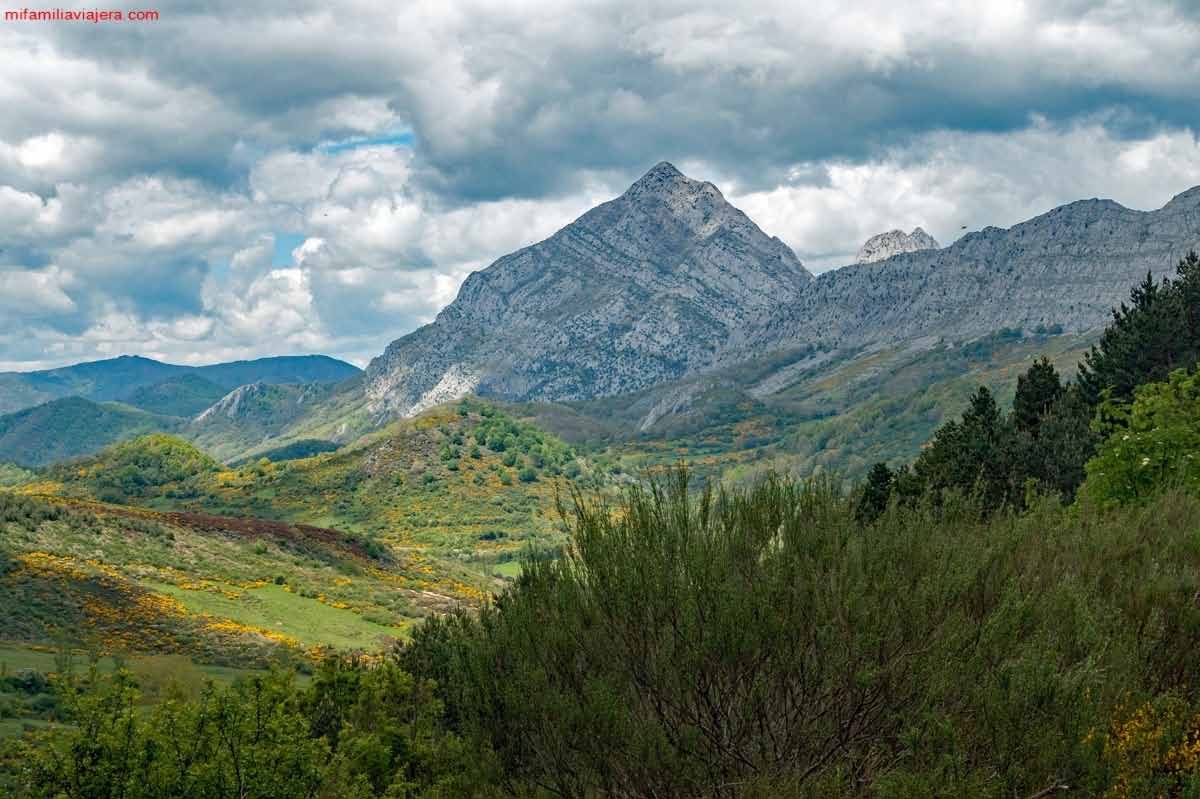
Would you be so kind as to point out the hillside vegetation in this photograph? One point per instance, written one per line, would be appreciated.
(67, 428)
(464, 482)
(233, 591)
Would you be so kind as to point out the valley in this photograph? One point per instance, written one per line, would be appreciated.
(287, 504)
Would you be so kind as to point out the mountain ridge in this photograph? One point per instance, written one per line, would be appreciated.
(121, 377)
(547, 323)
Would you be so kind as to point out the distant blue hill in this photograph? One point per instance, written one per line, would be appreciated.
(132, 379)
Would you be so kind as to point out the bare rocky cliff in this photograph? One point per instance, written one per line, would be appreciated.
(640, 290)
(669, 281)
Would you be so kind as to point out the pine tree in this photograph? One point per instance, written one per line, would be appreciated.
(974, 454)
(1037, 390)
(1148, 339)
(875, 493)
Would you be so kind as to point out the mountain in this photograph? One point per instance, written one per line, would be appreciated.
(96, 380)
(668, 283)
(72, 426)
(894, 242)
(280, 370)
(1064, 270)
(640, 290)
(119, 378)
(251, 415)
(185, 395)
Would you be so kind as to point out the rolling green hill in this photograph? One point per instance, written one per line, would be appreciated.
(463, 483)
(72, 426)
(185, 395)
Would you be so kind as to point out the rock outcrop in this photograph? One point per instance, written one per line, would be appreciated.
(895, 242)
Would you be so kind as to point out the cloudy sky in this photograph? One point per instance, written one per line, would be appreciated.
(320, 177)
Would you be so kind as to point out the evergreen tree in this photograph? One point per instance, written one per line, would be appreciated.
(875, 493)
(1157, 333)
(1064, 443)
(971, 455)
(1037, 390)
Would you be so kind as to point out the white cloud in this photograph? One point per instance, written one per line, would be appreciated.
(950, 180)
(34, 293)
(145, 174)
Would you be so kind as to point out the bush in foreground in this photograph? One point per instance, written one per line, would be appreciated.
(764, 643)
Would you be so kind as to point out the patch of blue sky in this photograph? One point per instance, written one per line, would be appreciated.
(390, 140)
(284, 244)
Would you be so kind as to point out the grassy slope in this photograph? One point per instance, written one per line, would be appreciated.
(230, 591)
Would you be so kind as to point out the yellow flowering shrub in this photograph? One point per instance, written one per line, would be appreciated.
(1153, 750)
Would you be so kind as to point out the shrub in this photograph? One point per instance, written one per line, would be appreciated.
(1150, 443)
(762, 642)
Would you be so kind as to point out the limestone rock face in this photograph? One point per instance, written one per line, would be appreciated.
(1068, 267)
(894, 242)
(640, 290)
(669, 281)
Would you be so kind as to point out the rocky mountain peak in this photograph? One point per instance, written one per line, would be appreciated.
(640, 289)
(894, 242)
(662, 175)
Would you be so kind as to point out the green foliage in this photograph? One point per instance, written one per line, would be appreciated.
(354, 733)
(873, 500)
(764, 643)
(1037, 390)
(1149, 444)
(971, 455)
(1054, 454)
(142, 467)
(1158, 332)
(298, 450)
(11, 475)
